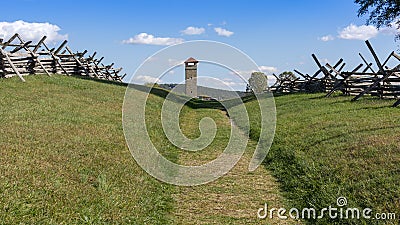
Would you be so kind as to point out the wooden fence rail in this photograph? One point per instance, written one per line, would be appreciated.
(362, 80)
(20, 58)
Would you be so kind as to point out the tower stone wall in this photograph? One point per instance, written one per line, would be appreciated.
(191, 77)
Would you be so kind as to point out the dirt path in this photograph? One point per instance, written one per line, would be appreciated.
(233, 199)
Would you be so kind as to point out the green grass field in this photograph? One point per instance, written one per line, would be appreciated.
(64, 159)
(325, 148)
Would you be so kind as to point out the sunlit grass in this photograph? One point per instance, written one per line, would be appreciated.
(64, 159)
(325, 148)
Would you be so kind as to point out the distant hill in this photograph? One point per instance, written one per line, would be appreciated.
(205, 91)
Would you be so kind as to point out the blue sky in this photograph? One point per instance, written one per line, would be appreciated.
(278, 35)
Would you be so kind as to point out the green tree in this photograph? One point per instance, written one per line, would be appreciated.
(287, 75)
(258, 82)
(381, 12)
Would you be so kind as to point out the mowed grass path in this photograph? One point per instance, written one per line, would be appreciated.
(325, 148)
(232, 199)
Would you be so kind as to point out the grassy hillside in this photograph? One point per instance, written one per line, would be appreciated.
(64, 159)
(325, 148)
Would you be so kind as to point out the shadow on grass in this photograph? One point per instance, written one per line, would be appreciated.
(193, 103)
(319, 97)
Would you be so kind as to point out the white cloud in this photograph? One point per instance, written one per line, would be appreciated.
(224, 84)
(148, 39)
(391, 29)
(327, 38)
(175, 62)
(31, 31)
(353, 32)
(231, 82)
(271, 79)
(146, 79)
(268, 69)
(193, 31)
(245, 74)
(223, 32)
(363, 32)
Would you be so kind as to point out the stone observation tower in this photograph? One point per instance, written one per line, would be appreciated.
(191, 77)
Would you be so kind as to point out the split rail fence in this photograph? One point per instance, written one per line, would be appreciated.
(383, 82)
(20, 58)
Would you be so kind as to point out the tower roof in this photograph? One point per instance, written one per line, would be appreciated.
(191, 60)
